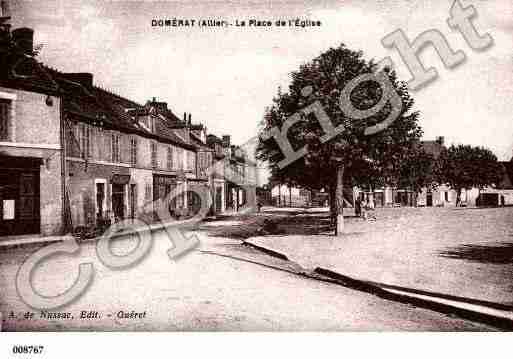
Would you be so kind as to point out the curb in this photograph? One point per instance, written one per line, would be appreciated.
(496, 321)
(20, 243)
(476, 316)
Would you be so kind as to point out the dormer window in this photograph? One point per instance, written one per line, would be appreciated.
(147, 122)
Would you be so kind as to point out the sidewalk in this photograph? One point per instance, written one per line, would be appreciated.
(435, 251)
(15, 241)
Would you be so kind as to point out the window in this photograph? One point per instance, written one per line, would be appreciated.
(87, 141)
(190, 160)
(115, 148)
(133, 152)
(5, 112)
(148, 192)
(169, 157)
(175, 158)
(84, 140)
(153, 154)
(204, 161)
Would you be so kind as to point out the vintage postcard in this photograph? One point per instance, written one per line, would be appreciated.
(249, 166)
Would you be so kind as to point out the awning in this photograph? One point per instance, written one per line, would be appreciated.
(8, 162)
(120, 179)
(164, 180)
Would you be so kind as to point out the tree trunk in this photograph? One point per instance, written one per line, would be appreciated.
(279, 194)
(339, 199)
(332, 204)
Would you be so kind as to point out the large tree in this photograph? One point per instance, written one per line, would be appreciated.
(466, 166)
(358, 153)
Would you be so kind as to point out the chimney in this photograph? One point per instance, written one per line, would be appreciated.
(185, 117)
(24, 39)
(161, 106)
(83, 78)
(190, 120)
(226, 141)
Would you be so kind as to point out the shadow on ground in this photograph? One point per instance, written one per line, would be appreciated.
(498, 254)
(274, 223)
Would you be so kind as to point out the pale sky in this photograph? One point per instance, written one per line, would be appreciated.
(226, 77)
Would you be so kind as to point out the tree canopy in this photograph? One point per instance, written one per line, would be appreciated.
(364, 159)
(466, 166)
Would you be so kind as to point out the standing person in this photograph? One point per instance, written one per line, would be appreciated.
(363, 209)
(358, 207)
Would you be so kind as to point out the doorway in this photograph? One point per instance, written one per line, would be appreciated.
(19, 199)
(133, 200)
(429, 200)
(118, 201)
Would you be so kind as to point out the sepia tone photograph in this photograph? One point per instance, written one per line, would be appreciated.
(256, 166)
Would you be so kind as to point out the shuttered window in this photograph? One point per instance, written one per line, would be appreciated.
(85, 141)
(133, 152)
(170, 158)
(115, 148)
(153, 155)
(180, 159)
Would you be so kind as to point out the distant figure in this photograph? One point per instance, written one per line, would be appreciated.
(370, 202)
(259, 206)
(366, 208)
(363, 209)
(358, 207)
(502, 200)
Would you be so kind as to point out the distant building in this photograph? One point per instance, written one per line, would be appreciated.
(442, 195)
(289, 196)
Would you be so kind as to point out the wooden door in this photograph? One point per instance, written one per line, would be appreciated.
(19, 202)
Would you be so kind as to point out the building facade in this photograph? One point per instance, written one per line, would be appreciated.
(31, 162)
(75, 156)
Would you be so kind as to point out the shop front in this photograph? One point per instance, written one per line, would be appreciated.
(19, 196)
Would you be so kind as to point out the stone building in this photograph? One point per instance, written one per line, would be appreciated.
(73, 155)
(31, 162)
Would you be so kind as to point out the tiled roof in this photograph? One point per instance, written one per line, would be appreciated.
(197, 141)
(87, 103)
(211, 139)
(164, 130)
(169, 118)
(26, 73)
(117, 112)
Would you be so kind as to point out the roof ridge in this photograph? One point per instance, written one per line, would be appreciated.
(110, 92)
